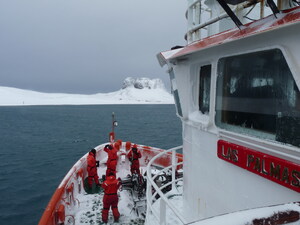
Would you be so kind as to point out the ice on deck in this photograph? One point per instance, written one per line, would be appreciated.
(89, 210)
(89, 203)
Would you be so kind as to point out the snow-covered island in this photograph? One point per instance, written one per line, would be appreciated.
(133, 91)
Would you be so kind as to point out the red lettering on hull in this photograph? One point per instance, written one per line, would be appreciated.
(281, 171)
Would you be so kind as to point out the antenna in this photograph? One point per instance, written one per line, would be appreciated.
(114, 122)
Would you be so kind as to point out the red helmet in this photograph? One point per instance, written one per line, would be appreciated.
(117, 145)
(134, 148)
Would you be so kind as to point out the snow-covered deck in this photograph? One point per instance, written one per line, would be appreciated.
(165, 204)
(280, 214)
(90, 205)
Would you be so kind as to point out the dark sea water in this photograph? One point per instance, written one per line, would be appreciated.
(39, 144)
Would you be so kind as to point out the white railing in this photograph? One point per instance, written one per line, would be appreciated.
(203, 18)
(193, 15)
(164, 201)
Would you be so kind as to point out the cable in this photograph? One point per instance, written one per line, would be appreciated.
(296, 2)
(249, 18)
(249, 11)
(246, 15)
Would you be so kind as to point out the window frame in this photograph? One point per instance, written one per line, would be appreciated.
(205, 110)
(234, 132)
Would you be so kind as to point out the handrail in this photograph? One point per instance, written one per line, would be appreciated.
(162, 187)
(193, 15)
(165, 169)
(163, 198)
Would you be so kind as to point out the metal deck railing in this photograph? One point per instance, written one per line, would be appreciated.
(153, 190)
(203, 19)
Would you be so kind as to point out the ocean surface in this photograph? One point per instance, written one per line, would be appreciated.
(39, 144)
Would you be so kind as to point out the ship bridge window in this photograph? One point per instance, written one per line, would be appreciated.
(257, 96)
(204, 88)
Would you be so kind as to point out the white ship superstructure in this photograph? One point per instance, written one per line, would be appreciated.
(236, 89)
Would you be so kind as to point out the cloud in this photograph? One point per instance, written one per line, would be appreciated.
(85, 46)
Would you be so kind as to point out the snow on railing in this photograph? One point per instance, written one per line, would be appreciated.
(193, 15)
(164, 202)
(204, 18)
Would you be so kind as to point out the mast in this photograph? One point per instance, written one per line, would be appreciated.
(114, 124)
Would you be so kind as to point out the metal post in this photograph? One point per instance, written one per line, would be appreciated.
(262, 9)
(197, 20)
(231, 14)
(162, 216)
(149, 196)
(190, 18)
(173, 169)
(113, 122)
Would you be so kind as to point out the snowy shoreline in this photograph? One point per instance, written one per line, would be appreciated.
(86, 104)
(146, 92)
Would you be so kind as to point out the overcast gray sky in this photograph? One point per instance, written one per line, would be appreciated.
(86, 46)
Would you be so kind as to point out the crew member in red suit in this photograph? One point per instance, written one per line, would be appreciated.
(110, 198)
(112, 159)
(92, 168)
(133, 156)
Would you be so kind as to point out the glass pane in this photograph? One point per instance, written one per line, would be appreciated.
(257, 95)
(175, 93)
(204, 89)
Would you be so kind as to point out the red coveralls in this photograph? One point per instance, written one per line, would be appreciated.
(112, 160)
(92, 169)
(110, 199)
(134, 159)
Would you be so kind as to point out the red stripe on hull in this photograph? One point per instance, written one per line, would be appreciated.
(269, 23)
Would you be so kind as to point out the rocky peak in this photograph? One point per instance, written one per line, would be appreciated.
(143, 83)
